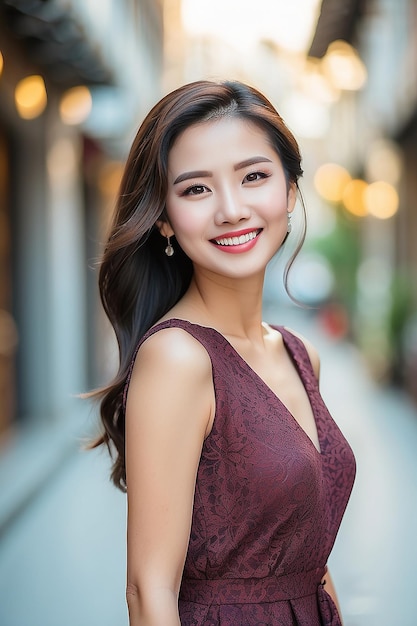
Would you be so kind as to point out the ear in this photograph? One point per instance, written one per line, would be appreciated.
(292, 197)
(164, 228)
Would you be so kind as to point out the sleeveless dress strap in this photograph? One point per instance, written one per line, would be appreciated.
(299, 354)
(294, 345)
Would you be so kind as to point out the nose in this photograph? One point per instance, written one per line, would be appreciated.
(231, 207)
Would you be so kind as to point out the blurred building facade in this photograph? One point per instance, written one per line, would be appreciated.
(373, 134)
(75, 79)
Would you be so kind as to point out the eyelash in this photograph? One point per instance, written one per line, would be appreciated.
(190, 190)
(260, 176)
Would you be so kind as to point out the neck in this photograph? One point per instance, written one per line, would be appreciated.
(232, 306)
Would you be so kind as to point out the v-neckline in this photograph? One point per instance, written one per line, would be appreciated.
(279, 329)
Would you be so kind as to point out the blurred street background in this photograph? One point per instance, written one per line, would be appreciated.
(76, 79)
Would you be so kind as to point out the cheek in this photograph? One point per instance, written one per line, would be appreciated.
(276, 204)
(185, 222)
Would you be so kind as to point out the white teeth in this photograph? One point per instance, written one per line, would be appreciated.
(235, 241)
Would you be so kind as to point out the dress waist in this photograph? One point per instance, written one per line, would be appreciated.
(251, 590)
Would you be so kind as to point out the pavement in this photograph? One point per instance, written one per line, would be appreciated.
(62, 560)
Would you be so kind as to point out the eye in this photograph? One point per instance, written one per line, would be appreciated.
(252, 177)
(195, 190)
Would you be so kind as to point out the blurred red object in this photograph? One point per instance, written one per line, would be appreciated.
(334, 320)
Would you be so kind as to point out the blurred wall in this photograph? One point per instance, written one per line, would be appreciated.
(372, 134)
(75, 80)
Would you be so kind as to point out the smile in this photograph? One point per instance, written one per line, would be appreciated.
(237, 240)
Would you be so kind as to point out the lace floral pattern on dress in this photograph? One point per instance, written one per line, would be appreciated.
(267, 505)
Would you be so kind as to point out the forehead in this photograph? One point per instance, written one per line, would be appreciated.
(229, 137)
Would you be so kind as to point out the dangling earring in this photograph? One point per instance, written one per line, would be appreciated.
(289, 225)
(169, 250)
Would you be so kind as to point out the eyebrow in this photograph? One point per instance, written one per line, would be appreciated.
(188, 175)
(207, 174)
(251, 161)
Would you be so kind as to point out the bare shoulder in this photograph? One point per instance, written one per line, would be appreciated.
(311, 351)
(172, 381)
(174, 348)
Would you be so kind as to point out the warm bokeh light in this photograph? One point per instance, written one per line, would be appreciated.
(313, 82)
(30, 97)
(331, 180)
(1, 63)
(76, 105)
(343, 67)
(381, 200)
(353, 197)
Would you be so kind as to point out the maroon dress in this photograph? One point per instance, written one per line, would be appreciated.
(267, 504)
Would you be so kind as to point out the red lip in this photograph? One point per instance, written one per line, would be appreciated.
(238, 248)
(235, 233)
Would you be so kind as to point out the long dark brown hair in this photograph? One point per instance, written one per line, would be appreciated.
(138, 282)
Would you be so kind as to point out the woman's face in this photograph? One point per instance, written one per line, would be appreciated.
(227, 197)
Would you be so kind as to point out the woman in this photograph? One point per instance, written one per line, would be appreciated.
(236, 475)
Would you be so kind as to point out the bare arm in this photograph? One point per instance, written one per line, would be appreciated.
(170, 405)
